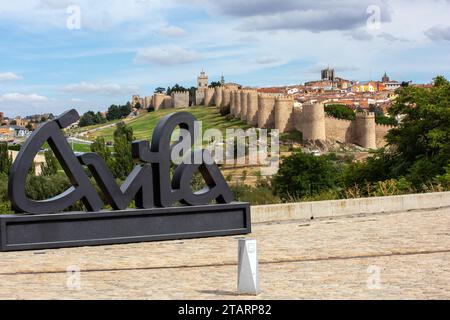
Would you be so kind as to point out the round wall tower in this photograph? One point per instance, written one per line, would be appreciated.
(209, 95)
(313, 122)
(266, 111)
(218, 93)
(158, 101)
(244, 98)
(284, 117)
(237, 104)
(226, 100)
(232, 103)
(366, 130)
(252, 108)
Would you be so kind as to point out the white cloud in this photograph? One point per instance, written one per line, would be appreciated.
(9, 76)
(172, 31)
(360, 35)
(391, 38)
(168, 56)
(319, 15)
(438, 33)
(22, 98)
(99, 89)
(99, 15)
(267, 60)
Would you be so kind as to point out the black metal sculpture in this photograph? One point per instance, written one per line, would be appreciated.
(146, 183)
(82, 188)
(149, 184)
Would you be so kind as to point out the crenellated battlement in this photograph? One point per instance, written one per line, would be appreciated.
(365, 115)
(179, 92)
(337, 119)
(278, 111)
(385, 125)
(287, 98)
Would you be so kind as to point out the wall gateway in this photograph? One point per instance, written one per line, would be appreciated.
(44, 224)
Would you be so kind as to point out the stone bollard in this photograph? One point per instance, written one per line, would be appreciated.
(248, 270)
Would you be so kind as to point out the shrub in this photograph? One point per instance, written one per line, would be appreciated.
(305, 175)
(255, 196)
(340, 111)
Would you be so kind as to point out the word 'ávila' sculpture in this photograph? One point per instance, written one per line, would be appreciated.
(156, 192)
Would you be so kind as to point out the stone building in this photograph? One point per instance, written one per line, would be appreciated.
(202, 87)
(327, 74)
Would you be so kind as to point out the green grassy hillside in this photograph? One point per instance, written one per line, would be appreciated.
(144, 124)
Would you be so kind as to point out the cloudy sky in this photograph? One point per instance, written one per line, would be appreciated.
(57, 54)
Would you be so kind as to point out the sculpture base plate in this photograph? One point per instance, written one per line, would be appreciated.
(78, 229)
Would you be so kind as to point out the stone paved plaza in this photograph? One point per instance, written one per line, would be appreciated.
(320, 259)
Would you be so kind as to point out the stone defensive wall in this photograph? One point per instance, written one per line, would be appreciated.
(266, 111)
(237, 104)
(341, 130)
(275, 111)
(349, 207)
(252, 108)
(284, 114)
(180, 99)
(381, 130)
(177, 99)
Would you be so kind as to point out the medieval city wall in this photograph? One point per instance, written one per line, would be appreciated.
(269, 111)
(312, 122)
(364, 133)
(218, 94)
(252, 108)
(284, 115)
(381, 130)
(339, 129)
(266, 111)
(158, 101)
(168, 102)
(237, 105)
(244, 101)
(226, 101)
(200, 97)
(209, 97)
(180, 99)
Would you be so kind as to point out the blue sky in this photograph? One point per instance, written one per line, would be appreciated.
(48, 64)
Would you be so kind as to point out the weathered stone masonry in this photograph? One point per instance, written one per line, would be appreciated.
(267, 111)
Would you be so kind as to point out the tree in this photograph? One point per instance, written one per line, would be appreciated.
(419, 147)
(123, 158)
(87, 119)
(215, 84)
(421, 143)
(91, 118)
(125, 110)
(99, 147)
(380, 119)
(118, 112)
(176, 88)
(51, 165)
(340, 111)
(303, 175)
(113, 113)
(160, 90)
(5, 159)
